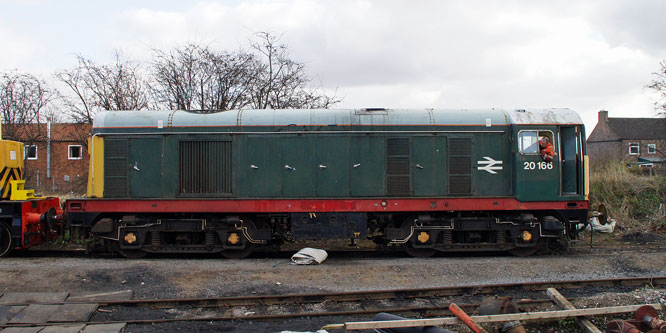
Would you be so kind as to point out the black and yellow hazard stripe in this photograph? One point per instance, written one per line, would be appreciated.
(6, 175)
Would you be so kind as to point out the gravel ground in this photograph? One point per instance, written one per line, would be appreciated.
(207, 276)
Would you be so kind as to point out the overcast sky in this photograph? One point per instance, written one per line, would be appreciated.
(584, 55)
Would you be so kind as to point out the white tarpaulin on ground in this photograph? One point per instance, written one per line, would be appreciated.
(309, 256)
(607, 228)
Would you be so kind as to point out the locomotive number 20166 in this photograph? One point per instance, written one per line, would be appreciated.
(538, 165)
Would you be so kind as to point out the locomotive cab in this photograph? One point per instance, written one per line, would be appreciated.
(540, 179)
(560, 180)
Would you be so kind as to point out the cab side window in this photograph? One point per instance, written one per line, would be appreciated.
(528, 141)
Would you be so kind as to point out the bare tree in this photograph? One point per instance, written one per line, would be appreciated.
(115, 86)
(23, 100)
(175, 76)
(195, 77)
(231, 82)
(280, 82)
(659, 85)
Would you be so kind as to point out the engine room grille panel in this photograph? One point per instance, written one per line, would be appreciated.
(115, 168)
(460, 146)
(460, 165)
(460, 184)
(397, 166)
(397, 146)
(396, 185)
(205, 167)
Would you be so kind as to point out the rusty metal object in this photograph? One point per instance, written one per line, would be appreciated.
(502, 305)
(648, 316)
(603, 214)
(458, 312)
(621, 326)
(497, 305)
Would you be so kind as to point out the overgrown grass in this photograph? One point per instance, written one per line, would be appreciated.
(635, 199)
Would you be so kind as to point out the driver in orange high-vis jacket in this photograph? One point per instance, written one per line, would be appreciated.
(546, 149)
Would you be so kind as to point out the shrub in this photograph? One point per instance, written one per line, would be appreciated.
(635, 199)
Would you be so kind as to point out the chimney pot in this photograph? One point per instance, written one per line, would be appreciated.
(603, 116)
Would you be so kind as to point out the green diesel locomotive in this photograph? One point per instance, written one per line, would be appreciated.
(425, 180)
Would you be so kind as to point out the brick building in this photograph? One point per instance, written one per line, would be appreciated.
(56, 156)
(641, 141)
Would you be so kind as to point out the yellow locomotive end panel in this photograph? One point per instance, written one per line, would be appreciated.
(96, 169)
(11, 165)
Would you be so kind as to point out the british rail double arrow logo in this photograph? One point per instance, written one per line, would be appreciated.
(489, 165)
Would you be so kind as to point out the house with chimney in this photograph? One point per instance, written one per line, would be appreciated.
(641, 141)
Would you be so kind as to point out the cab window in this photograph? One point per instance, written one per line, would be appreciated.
(528, 141)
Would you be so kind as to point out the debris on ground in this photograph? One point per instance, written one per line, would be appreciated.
(596, 225)
(309, 256)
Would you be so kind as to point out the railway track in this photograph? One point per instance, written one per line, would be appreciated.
(426, 302)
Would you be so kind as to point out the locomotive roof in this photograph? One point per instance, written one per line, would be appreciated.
(330, 117)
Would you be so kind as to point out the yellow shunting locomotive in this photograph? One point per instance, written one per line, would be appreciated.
(25, 219)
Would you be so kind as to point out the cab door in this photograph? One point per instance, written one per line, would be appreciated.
(571, 162)
(536, 179)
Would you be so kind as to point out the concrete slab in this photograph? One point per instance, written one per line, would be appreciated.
(23, 329)
(73, 312)
(30, 298)
(62, 329)
(105, 328)
(101, 297)
(34, 314)
(8, 312)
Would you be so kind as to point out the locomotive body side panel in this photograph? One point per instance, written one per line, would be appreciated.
(429, 180)
(145, 159)
(429, 165)
(461, 162)
(492, 164)
(332, 160)
(256, 173)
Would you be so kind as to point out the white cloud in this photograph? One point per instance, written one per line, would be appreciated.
(17, 49)
(584, 55)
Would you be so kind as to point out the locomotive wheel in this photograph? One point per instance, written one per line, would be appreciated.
(523, 251)
(249, 247)
(133, 254)
(238, 254)
(50, 219)
(409, 246)
(419, 253)
(5, 240)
